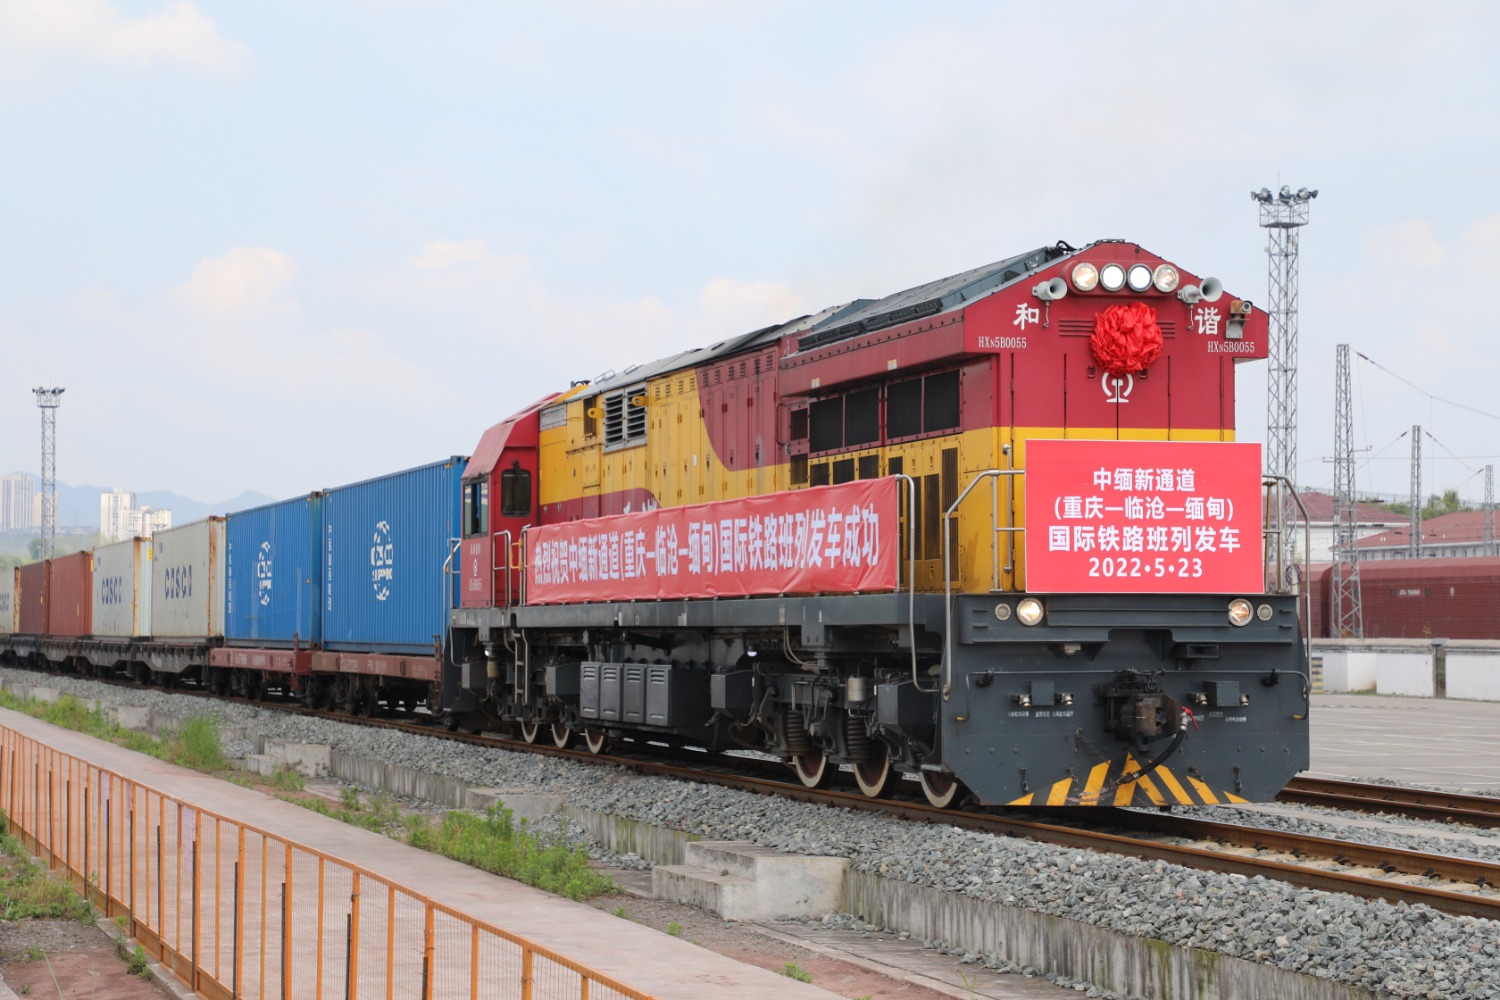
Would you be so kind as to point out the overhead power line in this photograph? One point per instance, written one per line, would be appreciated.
(1431, 396)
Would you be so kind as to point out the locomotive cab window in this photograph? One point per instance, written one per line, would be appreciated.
(476, 507)
(515, 493)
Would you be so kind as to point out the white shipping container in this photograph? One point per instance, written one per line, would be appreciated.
(122, 589)
(8, 602)
(187, 581)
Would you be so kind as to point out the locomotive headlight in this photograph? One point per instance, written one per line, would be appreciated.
(1085, 277)
(1264, 612)
(1029, 611)
(1165, 278)
(1240, 611)
(1112, 277)
(1139, 278)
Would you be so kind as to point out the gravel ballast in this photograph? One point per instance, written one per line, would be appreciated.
(1404, 951)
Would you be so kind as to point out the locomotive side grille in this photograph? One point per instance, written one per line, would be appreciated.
(1085, 328)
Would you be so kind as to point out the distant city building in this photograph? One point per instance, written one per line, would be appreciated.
(19, 503)
(120, 518)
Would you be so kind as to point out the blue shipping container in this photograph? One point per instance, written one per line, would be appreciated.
(275, 574)
(385, 545)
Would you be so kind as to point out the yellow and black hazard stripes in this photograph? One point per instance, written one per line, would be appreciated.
(1124, 783)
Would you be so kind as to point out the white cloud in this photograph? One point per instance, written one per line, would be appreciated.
(236, 316)
(1412, 242)
(443, 255)
(740, 306)
(96, 29)
(242, 281)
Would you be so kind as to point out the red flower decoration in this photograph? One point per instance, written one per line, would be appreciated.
(1126, 338)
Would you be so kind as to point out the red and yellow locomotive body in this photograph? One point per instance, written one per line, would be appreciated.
(1143, 686)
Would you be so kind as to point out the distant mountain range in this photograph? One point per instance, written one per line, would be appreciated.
(78, 506)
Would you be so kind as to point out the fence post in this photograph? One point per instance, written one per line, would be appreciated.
(68, 819)
(351, 974)
(427, 955)
(234, 984)
(193, 918)
(161, 892)
(109, 903)
(286, 958)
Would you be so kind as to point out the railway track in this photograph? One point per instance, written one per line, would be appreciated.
(1414, 803)
(1452, 885)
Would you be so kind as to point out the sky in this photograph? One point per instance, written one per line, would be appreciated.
(279, 246)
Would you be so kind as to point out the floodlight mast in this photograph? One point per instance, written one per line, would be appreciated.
(1282, 215)
(48, 400)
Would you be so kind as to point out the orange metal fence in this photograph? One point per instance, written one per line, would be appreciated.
(236, 911)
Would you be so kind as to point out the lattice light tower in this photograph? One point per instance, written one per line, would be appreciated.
(49, 400)
(1282, 215)
(1489, 511)
(1414, 530)
(1348, 615)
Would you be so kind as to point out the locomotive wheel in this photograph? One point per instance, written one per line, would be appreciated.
(562, 735)
(596, 739)
(531, 731)
(941, 789)
(369, 702)
(874, 777)
(813, 769)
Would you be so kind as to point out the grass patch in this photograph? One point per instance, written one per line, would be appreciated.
(196, 745)
(495, 843)
(379, 815)
(286, 779)
(794, 971)
(28, 890)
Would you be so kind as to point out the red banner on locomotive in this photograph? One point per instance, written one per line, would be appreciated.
(1162, 517)
(828, 539)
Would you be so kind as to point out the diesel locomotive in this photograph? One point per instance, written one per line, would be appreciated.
(991, 534)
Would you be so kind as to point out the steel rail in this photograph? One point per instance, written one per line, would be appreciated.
(1417, 803)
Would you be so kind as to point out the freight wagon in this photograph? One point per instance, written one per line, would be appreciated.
(1419, 598)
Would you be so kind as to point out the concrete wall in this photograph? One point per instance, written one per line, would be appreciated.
(1473, 673)
(1347, 669)
(1404, 673)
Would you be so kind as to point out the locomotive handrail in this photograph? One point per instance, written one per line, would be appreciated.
(449, 571)
(911, 576)
(1282, 483)
(494, 550)
(993, 475)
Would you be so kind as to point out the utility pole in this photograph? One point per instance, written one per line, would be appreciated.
(1282, 215)
(1347, 615)
(49, 400)
(1414, 533)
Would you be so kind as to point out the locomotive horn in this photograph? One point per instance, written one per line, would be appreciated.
(1211, 289)
(1049, 291)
